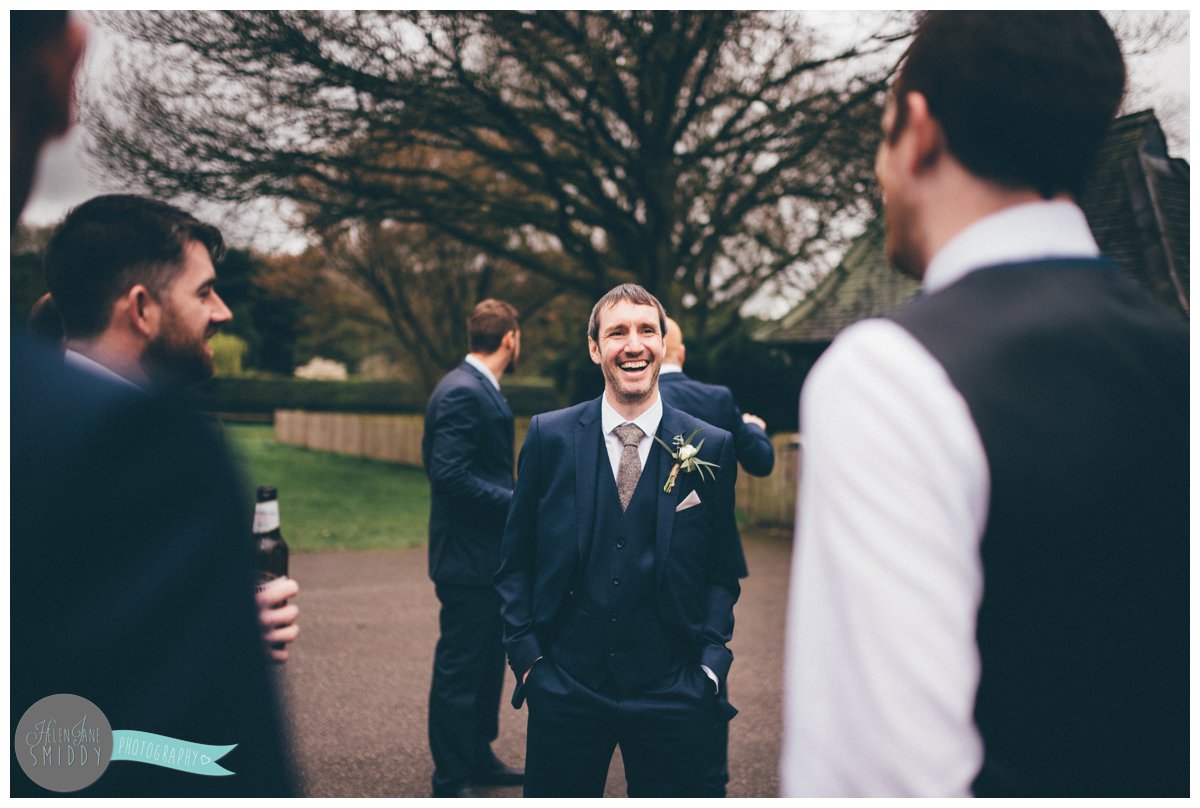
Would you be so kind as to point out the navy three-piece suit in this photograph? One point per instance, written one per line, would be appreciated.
(467, 449)
(619, 609)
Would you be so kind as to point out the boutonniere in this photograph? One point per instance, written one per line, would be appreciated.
(685, 456)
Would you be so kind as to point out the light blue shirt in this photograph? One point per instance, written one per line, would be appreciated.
(477, 363)
(89, 365)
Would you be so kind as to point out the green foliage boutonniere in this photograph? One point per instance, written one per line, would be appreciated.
(685, 456)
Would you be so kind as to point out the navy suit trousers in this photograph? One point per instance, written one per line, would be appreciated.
(468, 675)
(664, 733)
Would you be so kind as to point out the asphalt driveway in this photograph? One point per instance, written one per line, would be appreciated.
(357, 686)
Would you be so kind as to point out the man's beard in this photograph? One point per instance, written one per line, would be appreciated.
(612, 375)
(176, 361)
(902, 253)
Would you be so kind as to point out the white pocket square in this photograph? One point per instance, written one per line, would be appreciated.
(690, 501)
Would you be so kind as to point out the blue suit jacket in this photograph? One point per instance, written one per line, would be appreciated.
(550, 526)
(714, 403)
(132, 577)
(467, 449)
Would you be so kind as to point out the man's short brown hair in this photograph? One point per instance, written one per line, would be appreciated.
(626, 292)
(488, 324)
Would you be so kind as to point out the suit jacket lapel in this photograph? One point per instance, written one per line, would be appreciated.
(489, 388)
(670, 426)
(587, 456)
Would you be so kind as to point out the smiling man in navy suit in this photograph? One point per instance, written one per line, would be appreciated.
(618, 576)
(467, 449)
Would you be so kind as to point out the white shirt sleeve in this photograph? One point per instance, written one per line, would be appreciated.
(881, 665)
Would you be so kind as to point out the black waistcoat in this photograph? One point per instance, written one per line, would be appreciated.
(1078, 385)
(612, 630)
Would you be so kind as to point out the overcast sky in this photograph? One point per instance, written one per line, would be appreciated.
(1161, 81)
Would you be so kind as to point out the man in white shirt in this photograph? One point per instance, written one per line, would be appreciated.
(989, 589)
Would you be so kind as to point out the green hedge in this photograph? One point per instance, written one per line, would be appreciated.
(247, 394)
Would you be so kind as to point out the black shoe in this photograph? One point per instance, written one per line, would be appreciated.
(464, 790)
(499, 774)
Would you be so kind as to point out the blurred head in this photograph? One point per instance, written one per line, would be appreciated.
(1024, 98)
(45, 48)
(675, 352)
(43, 321)
(146, 268)
(493, 326)
(625, 338)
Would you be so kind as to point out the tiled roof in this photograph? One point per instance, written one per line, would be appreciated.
(863, 285)
(1137, 205)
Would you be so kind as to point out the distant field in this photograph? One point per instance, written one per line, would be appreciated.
(334, 502)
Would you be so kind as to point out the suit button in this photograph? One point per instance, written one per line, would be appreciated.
(613, 619)
(616, 581)
(620, 543)
(611, 652)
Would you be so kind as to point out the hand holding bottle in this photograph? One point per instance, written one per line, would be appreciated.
(277, 616)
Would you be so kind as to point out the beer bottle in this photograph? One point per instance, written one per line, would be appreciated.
(271, 551)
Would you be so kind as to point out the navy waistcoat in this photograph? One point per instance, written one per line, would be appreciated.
(612, 630)
(1077, 382)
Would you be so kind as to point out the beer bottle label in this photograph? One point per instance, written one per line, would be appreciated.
(266, 517)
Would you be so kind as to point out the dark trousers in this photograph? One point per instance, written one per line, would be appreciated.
(468, 674)
(716, 775)
(666, 734)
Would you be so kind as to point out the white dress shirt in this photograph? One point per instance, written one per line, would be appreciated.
(881, 663)
(648, 422)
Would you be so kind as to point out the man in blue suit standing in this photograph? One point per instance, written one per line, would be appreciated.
(714, 403)
(467, 450)
(619, 575)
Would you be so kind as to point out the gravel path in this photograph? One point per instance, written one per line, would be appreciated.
(357, 685)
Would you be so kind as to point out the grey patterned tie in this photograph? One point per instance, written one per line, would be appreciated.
(630, 468)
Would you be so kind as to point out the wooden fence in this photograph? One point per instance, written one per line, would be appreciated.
(767, 501)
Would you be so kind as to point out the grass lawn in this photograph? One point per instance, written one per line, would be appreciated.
(333, 502)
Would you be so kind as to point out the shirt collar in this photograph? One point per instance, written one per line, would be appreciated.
(89, 365)
(667, 367)
(1026, 232)
(475, 362)
(648, 421)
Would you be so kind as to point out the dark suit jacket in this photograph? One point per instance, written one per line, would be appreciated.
(467, 449)
(714, 403)
(550, 526)
(132, 577)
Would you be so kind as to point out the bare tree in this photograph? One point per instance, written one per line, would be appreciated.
(706, 155)
(405, 281)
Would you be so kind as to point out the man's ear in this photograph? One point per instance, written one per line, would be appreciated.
(142, 311)
(594, 351)
(926, 142)
(509, 341)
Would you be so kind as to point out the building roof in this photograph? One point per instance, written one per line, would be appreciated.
(1138, 206)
